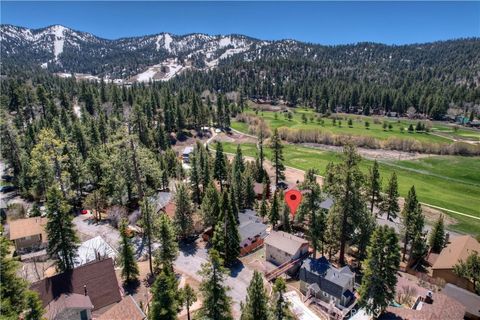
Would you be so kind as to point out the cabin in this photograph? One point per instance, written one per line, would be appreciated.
(457, 250)
(282, 247)
(28, 234)
(252, 231)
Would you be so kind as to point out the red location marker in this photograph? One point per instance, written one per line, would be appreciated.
(293, 199)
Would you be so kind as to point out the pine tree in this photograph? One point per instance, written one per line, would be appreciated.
(249, 192)
(346, 187)
(277, 156)
(260, 158)
(128, 262)
(226, 239)
(183, 212)
(263, 207)
(220, 167)
(413, 223)
(390, 202)
(188, 298)
(280, 304)
(374, 185)
(195, 178)
(437, 236)
(165, 303)
(380, 276)
(286, 225)
(256, 304)
(168, 247)
(274, 215)
(147, 223)
(210, 205)
(62, 239)
(216, 303)
(33, 306)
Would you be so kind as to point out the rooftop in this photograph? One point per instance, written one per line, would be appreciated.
(98, 277)
(125, 309)
(92, 250)
(323, 268)
(442, 307)
(67, 301)
(285, 242)
(468, 299)
(458, 249)
(28, 227)
(250, 225)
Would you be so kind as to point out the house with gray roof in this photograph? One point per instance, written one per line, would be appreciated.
(320, 279)
(252, 231)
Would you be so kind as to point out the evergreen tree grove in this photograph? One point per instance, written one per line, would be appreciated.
(256, 304)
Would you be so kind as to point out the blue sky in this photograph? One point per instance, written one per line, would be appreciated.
(317, 22)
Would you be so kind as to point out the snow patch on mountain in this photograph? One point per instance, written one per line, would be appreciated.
(59, 40)
(161, 72)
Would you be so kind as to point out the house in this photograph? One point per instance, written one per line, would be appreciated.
(469, 300)
(327, 283)
(432, 307)
(60, 294)
(125, 309)
(326, 204)
(457, 250)
(28, 234)
(93, 249)
(186, 154)
(252, 231)
(282, 247)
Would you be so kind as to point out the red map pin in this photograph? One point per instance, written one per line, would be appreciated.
(293, 199)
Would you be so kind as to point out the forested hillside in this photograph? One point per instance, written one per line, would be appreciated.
(364, 77)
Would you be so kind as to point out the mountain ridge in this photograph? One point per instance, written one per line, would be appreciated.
(161, 56)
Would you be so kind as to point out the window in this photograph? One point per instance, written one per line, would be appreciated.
(83, 315)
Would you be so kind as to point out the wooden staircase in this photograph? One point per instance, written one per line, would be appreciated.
(284, 267)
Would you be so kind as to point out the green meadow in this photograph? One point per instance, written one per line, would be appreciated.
(450, 182)
(307, 119)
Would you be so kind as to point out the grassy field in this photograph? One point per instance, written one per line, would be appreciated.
(450, 182)
(278, 119)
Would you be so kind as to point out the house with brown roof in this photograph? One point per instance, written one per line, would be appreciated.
(125, 309)
(433, 307)
(282, 247)
(61, 293)
(28, 234)
(457, 250)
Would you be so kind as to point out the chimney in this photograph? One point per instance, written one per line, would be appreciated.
(85, 289)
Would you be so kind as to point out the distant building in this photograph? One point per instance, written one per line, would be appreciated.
(282, 247)
(186, 154)
(457, 250)
(327, 203)
(28, 234)
(75, 294)
(320, 279)
(252, 231)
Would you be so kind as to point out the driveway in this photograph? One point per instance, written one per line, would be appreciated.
(190, 260)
